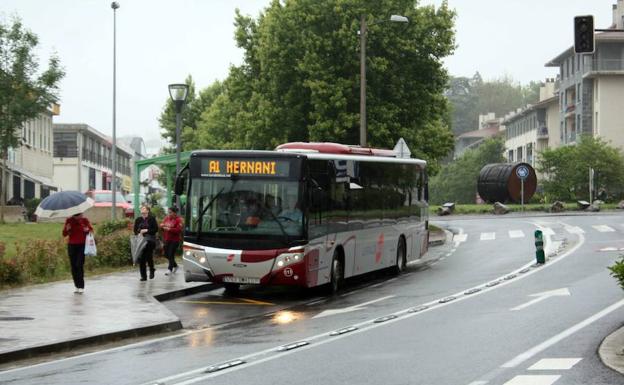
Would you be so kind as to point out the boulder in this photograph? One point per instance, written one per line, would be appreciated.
(557, 207)
(500, 208)
(598, 202)
(620, 205)
(593, 208)
(444, 211)
(582, 204)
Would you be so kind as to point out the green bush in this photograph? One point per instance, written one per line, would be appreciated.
(31, 206)
(10, 272)
(42, 260)
(109, 227)
(113, 250)
(617, 271)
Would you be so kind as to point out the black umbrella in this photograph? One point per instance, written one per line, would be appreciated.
(63, 204)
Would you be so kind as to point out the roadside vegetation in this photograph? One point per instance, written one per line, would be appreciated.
(32, 253)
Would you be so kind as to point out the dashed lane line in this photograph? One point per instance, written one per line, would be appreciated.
(533, 380)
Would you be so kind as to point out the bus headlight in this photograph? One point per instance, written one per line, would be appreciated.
(288, 259)
(202, 260)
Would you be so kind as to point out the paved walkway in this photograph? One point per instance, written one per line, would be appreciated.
(50, 317)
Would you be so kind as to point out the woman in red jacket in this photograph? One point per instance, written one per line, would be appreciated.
(172, 231)
(77, 227)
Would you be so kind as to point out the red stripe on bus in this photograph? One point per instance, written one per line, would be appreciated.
(254, 256)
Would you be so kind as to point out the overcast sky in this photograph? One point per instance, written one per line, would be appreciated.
(161, 42)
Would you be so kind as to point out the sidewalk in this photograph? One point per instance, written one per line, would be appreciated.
(50, 317)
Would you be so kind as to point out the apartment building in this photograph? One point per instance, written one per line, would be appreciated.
(530, 130)
(29, 167)
(591, 87)
(489, 127)
(83, 159)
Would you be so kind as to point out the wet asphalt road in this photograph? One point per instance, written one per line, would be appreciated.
(493, 336)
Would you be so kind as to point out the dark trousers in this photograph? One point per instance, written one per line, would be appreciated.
(77, 260)
(147, 256)
(170, 250)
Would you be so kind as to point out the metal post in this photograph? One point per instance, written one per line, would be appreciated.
(522, 194)
(591, 185)
(363, 81)
(178, 124)
(114, 6)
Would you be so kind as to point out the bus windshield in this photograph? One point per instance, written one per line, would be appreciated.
(228, 206)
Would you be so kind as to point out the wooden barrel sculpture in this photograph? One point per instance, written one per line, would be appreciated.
(500, 182)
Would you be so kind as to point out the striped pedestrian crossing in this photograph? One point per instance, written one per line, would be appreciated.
(603, 228)
(488, 236)
(516, 234)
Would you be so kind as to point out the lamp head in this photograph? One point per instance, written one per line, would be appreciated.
(114, 5)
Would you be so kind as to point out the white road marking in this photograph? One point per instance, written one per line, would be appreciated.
(609, 249)
(547, 231)
(459, 238)
(542, 296)
(555, 364)
(574, 229)
(488, 236)
(478, 383)
(516, 234)
(603, 228)
(533, 380)
(360, 306)
(566, 333)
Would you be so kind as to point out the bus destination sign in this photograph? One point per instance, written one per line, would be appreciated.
(247, 167)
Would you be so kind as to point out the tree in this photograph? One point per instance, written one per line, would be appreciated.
(457, 181)
(567, 169)
(471, 97)
(299, 78)
(24, 93)
(191, 114)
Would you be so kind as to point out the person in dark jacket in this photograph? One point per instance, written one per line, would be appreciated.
(76, 228)
(147, 226)
(172, 230)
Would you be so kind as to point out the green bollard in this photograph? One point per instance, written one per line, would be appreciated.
(539, 247)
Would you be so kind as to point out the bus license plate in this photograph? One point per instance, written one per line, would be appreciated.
(243, 280)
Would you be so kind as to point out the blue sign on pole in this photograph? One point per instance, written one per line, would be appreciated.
(522, 172)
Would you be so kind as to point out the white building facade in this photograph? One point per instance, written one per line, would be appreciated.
(83, 159)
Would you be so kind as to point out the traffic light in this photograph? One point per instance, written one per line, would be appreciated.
(584, 34)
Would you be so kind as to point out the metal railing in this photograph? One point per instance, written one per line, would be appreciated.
(606, 65)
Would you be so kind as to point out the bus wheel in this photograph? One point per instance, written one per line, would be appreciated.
(401, 259)
(231, 288)
(337, 274)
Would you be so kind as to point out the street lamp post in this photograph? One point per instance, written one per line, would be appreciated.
(114, 6)
(363, 29)
(178, 94)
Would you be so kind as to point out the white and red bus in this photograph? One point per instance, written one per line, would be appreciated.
(307, 214)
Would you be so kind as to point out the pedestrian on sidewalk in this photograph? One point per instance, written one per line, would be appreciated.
(147, 226)
(76, 228)
(172, 230)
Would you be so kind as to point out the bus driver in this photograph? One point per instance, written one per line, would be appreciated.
(290, 210)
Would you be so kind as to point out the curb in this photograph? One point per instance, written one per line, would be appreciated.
(611, 350)
(142, 331)
(81, 342)
(441, 239)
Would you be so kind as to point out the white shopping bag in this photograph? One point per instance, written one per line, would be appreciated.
(90, 248)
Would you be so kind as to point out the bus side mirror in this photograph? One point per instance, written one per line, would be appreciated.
(180, 182)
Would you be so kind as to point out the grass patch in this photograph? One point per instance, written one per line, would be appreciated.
(24, 232)
(462, 209)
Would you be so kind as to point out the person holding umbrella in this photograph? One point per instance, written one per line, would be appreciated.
(70, 205)
(147, 226)
(76, 228)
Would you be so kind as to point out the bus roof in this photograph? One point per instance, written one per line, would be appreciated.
(335, 148)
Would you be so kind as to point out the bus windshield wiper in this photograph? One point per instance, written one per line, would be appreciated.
(280, 226)
(200, 219)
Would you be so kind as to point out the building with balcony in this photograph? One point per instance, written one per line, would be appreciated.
(529, 131)
(29, 166)
(591, 87)
(83, 159)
